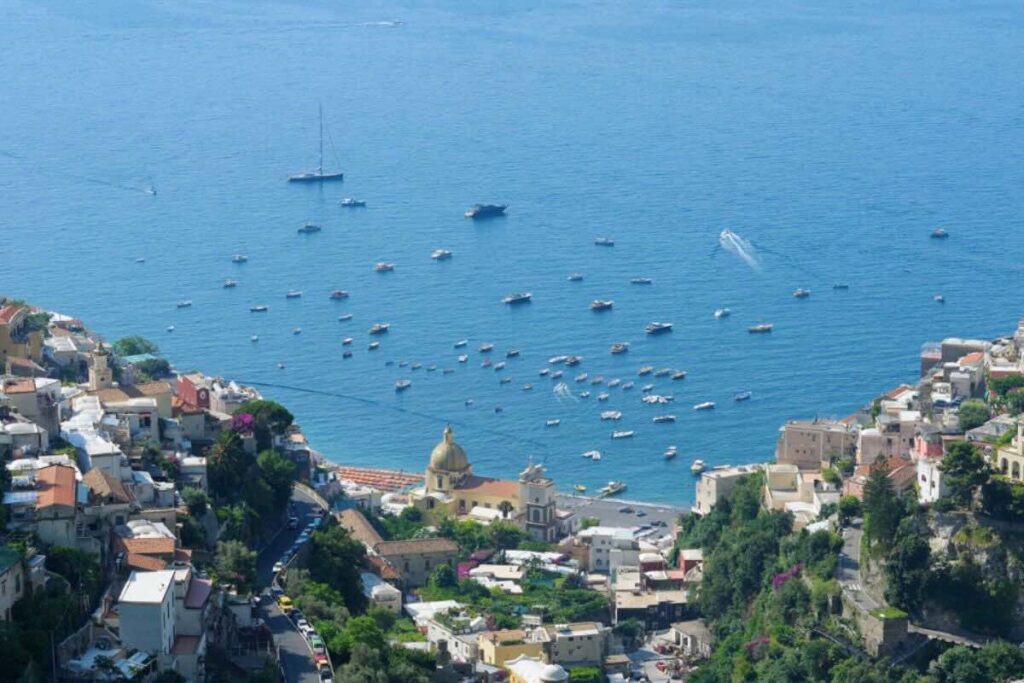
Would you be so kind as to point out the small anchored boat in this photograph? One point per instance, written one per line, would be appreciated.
(658, 328)
(604, 242)
(383, 267)
(575, 277)
(625, 434)
(402, 384)
(230, 284)
(187, 303)
(552, 423)
(337, 294)
(641, 281)
(309, 229)
(706, 405)
(380, 328)
(671, 452)
(259, 308)
(742, 396)
(697, 467)
(293, 294)
(722, 313)
(601, 305)
(663, 418)
(761, 328)
(440, 254)
(352, 203)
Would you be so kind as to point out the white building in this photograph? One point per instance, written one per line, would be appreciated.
(527, 669)
(380, 593)
(717, 484)
(610, 548)
(931, 483)
(146, 611)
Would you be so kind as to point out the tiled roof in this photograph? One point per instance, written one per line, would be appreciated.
(382, 480)
(8, 312)
(144, 563)
(149, 546)
(19, 386)
(181, 407)
(382, 567)
(56, 485)
(123, 393)
(485, 486)
(415, 546)
(359, 527)
(104, 485)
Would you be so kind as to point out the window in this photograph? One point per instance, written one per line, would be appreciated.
(440, 482)
(17, 584)
(426, 564)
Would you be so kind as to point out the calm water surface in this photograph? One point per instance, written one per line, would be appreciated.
(835, 138)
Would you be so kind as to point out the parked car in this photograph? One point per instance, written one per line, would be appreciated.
(626, 510)
(641, 513)
(303, 626)
(285, 603)
(278, 567)
(293, 522)
(317, 643)
(319, 658)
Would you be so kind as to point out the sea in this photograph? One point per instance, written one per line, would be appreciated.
(831, 138)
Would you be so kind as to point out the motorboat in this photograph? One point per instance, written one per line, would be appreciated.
(706, 405)
(697, 467)
(671, 452)
(722, 313)
(939, 234)
(383, 267)
(296, 330)
(481, 211)
(373, 346)
(544, 372)
(840, 285)
(293, 294)
(592, 455)
(468, 402)
(662, 372)
(338, 294)
(347, 341)
(641, 281)
(230, 284)
(380, 328)
(557, 374)
(626, 386)
(280, 366)
(658, 328)
(619, 348)
(486, 347)
(517, 298)
(556, 360)
(345, 317)
(760, 328)
(801, 293)
(505, 380)
(389, 363)
(614, 382)
(599, 379)
(939, 298)
(254, 338)
(580, 488)
(403, 363)
(346, 354)
(647, 387)
(601, 305)
(645, 370)
(440, 254)
(186, 303)
(499, 366)
(239, 258)
(402, 384)
(572, 361)
(352, 203)
(552, 423)
(611, 415)
(604, 242)
(657, 399)
(141, 259)
(582, 377)
(416, 366)
(170, 328)
(679, 374)
(309, 229)
(447, 371)
(527, 387)
(742, 396)
(486, 363)
(584, 394)
(625, 434)
(461, 343)
(259, 308)
(512, 353)
(612, 488)
(463, 358)
(603, 396)
(658, 419)
(575, 277)
(498, 409)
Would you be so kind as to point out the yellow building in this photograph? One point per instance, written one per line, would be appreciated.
(17, 340)
(498, 647)
(450, 483)
(1010, 459)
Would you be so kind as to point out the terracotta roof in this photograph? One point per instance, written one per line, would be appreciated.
(149, 546)
(8, 312)
(893, 393)
(180, 406)
(971, 358)
(359, 527)
(123, 393)
(56, 485)
(19, 386)
(182, 554)
(144, 563)
(382, 480)
(102, 484)
(415, 546)
(382, 567)
(485, 486)
(511, 635)
(156, 388)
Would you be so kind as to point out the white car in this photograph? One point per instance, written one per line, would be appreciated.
(303, 626)
(278, 567)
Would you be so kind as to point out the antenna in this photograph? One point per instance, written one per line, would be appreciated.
(321, 138)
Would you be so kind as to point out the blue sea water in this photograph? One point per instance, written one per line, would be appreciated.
(834, 136)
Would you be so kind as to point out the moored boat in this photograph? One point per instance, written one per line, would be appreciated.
(486, 347)
(671, 452)
(380, 328)
(461, 343)
(801, 293)
(293, 294)
(679, 374)
(309, 229)
(611, 415)
(352, 203)
(760, 328)
(517, 298)
(592, 455)
(239, 258)
(601, 304)
(482, 211)
(641, 281)
(706, 405)
(402, 384)
(604, 242)
(612, 488)
(575, 277)
(345, 317)
(440, 254)
(722, 313)
(697, 467)
(619, 348)
(187, 303)
(742, 396)
(383, 267)
(580, 488)
(658, 328)
(552, 423)
(939, 234)
(645, 370)
(230, 284)
(624, 434)
(663, 418)
(337, 294)
(259, 308)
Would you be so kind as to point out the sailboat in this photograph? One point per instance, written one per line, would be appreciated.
(317, 176)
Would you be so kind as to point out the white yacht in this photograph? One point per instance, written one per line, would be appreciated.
(592, 455)
(552, 423)
(441, 255)
(611, 415)
(697, 467)
(625, 434)
(722, 313)
(706, 405)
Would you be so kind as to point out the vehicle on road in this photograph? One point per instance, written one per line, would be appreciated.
(303, 626)
(641, 513)
(278, 567)
(626, 510)
(285, 603)
(293, 522)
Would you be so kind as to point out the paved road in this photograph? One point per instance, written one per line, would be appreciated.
(295, 658)
(849, 570)
(607, 510)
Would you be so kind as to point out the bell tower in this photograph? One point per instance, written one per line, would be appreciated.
(100, 374)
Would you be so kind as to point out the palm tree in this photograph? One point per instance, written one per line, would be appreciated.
(506, 508)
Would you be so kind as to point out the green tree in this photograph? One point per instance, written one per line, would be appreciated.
(169, 676)
(973, 413)
(364, 666)
(849, 508)
(270, 418)
(134, 345)
(236, 564)
(444, 576)
(228, 466)
(81, 569)
(908, 568)
(585, 674)
(882, 508)
(153, 368)
(504, 535)
(363, 630)
(965, 470)
(506, 508)
(196, 501)
(335, 559)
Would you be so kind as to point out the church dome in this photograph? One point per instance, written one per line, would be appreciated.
(448, 456)
(553, 673)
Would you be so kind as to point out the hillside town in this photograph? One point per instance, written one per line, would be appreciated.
(165, 525)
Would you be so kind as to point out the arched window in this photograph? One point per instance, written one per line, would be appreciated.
(1015, 470)
(1003, 466)
(536, 515)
